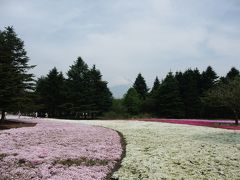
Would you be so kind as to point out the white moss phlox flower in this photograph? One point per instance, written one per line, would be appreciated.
(170, 151)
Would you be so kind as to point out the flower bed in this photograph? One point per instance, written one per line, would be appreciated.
(224, 124)
(170, 151)
(14, 124)
(53, 150)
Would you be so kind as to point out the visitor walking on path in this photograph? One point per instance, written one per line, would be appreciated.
(19, 114)
(36, 114)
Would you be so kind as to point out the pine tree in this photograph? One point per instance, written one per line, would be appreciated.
(233, 73)
(51, 90)
(169, 100)
(87, 92)
(156, 85)
(77, 83)
(150, 103)
(132, 101)
(190, 85)
(208, 79)
(101, 97)
(180, 80)
(15, 80)
(140, 86)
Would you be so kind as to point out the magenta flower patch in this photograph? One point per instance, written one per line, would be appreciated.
(224, 124)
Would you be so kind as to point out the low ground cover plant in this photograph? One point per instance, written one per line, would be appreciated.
(57, 150)
(224, 124)
(173, 151)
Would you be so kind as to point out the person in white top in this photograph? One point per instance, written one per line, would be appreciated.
(19, 114)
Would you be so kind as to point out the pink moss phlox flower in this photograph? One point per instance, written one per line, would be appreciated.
(38, 152)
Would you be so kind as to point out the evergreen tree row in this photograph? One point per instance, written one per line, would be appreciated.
(83, 94)
(179, 95)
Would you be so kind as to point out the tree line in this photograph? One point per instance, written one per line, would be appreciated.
(82, 94)
(188, 94)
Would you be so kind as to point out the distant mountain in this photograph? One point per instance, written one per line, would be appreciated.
(119, 91)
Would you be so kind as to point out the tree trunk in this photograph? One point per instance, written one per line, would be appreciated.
(236, 122)
(3, 116)
(236, 117)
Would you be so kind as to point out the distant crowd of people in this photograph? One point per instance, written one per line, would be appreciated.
(34, 115)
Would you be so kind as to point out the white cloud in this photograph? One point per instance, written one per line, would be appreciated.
(225, 46)
(125, 37)
(225, 41)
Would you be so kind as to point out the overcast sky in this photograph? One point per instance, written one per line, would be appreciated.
(125, 37)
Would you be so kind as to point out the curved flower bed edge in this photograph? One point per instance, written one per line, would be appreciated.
(118, 165)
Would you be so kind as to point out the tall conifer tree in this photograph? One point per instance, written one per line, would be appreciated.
(233, 73)
(156, 85)
(101, 97)
(51, 90)
(78, 83)
(169, 101)
(190, 83)
(150, 103)
(14, 77)
(87, 92)
(208, 79)
(140, 86)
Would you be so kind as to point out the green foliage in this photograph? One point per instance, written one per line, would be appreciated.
(15, 81)
(180, 96)
(140, 86)
(132, 101)
(86, 89)
(208, 79)
(77, 84)
(189, 83)
(117, 110)
(117, 106)
(169, 101)
(156, 85)
(51, 92)
(226, 95)
(149, 105)
(101, 97)
(232, 74)
(28, 104)
(82, 92)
